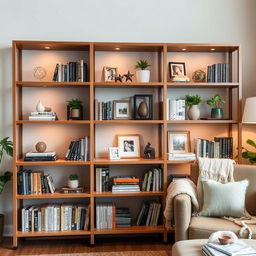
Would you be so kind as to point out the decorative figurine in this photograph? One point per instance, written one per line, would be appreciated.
(149, 152)
(40, 107)
(39, 73)
(40, 146)
(119, 78)
(143, 110)
(199, 76)
(128, 76)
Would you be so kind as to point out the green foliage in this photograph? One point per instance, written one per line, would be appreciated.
(251, 156)
(75, 103)
(142, 64)
(73, 176)
(215, 101)
(7, 176)
(192, 100)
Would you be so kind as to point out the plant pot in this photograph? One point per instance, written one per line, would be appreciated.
(217, 113)
(73, 183)
(143, 76)
(74, 113)
(1, 227)
(194, 112)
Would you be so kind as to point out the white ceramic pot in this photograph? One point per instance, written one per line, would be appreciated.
(143, 76)
(40, 106)
(73, 183)
(194, 112)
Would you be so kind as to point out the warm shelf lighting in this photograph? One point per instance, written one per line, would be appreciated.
(47, 47)
(249, 116)
(117, 48)
(212, 49)
(183, 49)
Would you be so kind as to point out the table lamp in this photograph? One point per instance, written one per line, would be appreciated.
(249, 116)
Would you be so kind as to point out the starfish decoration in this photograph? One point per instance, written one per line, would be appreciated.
(128, 76)
(119, 78)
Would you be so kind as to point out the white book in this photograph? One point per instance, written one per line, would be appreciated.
(39, 220)
(23, 220)
(173, 109)
(37, 154)
(82, 70)
(168, 109)
(42, 118)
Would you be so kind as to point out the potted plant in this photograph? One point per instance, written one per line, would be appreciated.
(142, 74)
(73, 181)
(75, 110)
(251, 156)
(192, 102)
(217, 111)
(6, 146)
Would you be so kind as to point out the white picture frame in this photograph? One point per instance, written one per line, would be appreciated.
(114, 153)
(129, 145)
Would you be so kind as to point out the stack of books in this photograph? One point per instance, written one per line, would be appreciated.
(105, 216)
(71, 72)
(123, 217)
(237, 248)
(79, 150)
(34, 183)
(176, 109)
(149, 214)
(54, 217)
(43, 116)
(181, 156)
(103, 110)
(218, 73)
(153, 180)
(102, 179)
(219, 148)
(125, 184)
(36, 156)
(65, 190)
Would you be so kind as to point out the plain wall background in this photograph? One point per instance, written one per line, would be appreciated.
(183, 21)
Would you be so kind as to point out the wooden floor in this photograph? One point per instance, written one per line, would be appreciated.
(103, 244)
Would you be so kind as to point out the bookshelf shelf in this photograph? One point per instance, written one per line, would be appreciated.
(128, 194)
(52, 84)
(19, 122)
(202, 122)
(21, 162)
(106, 161)
(55, 195)
(54, 233)
(180, 162)
(202, 85)
(127, 84)
(128, 121)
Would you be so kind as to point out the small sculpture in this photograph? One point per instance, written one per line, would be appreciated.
(40, 107)
(143, 110)
(39, 73)
(119, 78)
(41, 146)
(128, 76)
(199, 76)
(149, 152)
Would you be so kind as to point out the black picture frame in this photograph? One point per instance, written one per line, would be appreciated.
(137, 100)
(179, 64)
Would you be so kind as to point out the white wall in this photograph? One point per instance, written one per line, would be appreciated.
(199, 21)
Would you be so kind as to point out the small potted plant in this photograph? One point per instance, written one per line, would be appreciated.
(73, 181)
(251, 156)
(192, 102)
(142, 74)
(75, 110)
(217, 111)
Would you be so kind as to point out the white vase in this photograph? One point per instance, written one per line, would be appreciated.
(194, 112)
(40, 106)
(143, 76)
(73, 183)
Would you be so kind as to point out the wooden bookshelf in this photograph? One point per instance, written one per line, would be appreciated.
(161, 86)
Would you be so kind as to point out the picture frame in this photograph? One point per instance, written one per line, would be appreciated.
(114, 153)
(109, 73)
(122, 109)
(177, 68)
(143, 107)
(129, 145)
(178, 142)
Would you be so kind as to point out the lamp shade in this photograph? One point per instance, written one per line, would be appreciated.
(249, 116)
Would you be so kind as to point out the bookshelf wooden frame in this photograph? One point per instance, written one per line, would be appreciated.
(161, 85)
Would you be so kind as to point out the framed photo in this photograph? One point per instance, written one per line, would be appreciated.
(114, 153)
(122, 109)
(178, 141)
(143, 107)
(129, 145)
(177, 68)
(109, 74)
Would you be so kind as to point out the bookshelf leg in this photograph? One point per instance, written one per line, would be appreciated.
(92, 241)
(165, 237)
(15, 242)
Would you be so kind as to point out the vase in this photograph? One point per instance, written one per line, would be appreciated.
(143, 76)
(194, 112)
(217, 113)
(73, 183)
(40, 106)
(143, 110)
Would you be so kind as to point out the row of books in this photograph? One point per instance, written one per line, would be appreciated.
(71, 72)
(149, 214)
(218, 73)
(219, 148)
(125, 184)
(43, 116)
(37, 156)
(103, 110)
(55, 217)
(102, 179)
(181, 156)
(34, 183)
(153, 180)
(176, 109)
(123, 217)
(79, 150)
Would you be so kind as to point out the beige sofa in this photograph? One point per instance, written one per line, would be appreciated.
(188, 227)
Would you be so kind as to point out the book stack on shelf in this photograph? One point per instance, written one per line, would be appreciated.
(218, 73)
(65, 190)
(37, 156)
(43, 116)
(153, 180)
(149, 214)
(123, 217)
(34, 183)
(181, 156)
(54, 217)
(105, 216)
(103, 110)
(176, 109)
(126, 184)
(102, 179)
(219, 148)
(79, 150)
(71, 72)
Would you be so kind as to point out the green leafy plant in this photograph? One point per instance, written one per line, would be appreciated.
(193, 100)
(215, 101)
(251, 156)
(73, 176)
(75, 103)
(142, 64)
